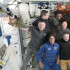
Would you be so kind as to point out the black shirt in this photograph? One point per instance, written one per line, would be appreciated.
(64, 50)
(53, 23)
(38, 38)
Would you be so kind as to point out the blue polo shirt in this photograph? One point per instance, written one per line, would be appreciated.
(50, 53)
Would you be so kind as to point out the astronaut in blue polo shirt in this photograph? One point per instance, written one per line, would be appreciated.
(50, 58)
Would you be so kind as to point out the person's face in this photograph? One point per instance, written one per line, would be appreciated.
(59, 16)
(64, 25)
(52, 40)
(46, 16)
(66, 37)
(41, 26)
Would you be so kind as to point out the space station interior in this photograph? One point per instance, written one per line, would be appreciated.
(14, 40)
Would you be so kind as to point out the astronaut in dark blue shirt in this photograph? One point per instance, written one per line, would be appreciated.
(44, 15)
(50, 58)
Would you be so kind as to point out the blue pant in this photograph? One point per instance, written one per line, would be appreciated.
(52, 67)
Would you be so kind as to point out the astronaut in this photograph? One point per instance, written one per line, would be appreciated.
(50, 58)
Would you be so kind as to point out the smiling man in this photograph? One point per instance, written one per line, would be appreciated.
(65, 51)
(38, 35)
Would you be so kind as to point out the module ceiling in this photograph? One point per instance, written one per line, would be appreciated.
(46, 0)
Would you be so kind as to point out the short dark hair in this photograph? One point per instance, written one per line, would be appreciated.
(66, 32)
(41, 20)
(64, 21)
(43, 13)
(58, 12)
(52, 35)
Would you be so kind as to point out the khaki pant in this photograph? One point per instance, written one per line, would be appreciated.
(64, 64)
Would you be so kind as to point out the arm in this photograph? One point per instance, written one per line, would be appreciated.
(35, 22)
(57, 60)
(39, 54)
(58, 55)
(24, 29)
(28, 29)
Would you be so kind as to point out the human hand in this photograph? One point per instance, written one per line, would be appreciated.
(41, 65)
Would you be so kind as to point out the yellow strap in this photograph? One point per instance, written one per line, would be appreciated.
(1, 63)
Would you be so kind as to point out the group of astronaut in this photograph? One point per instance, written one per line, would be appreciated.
(50, 43)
